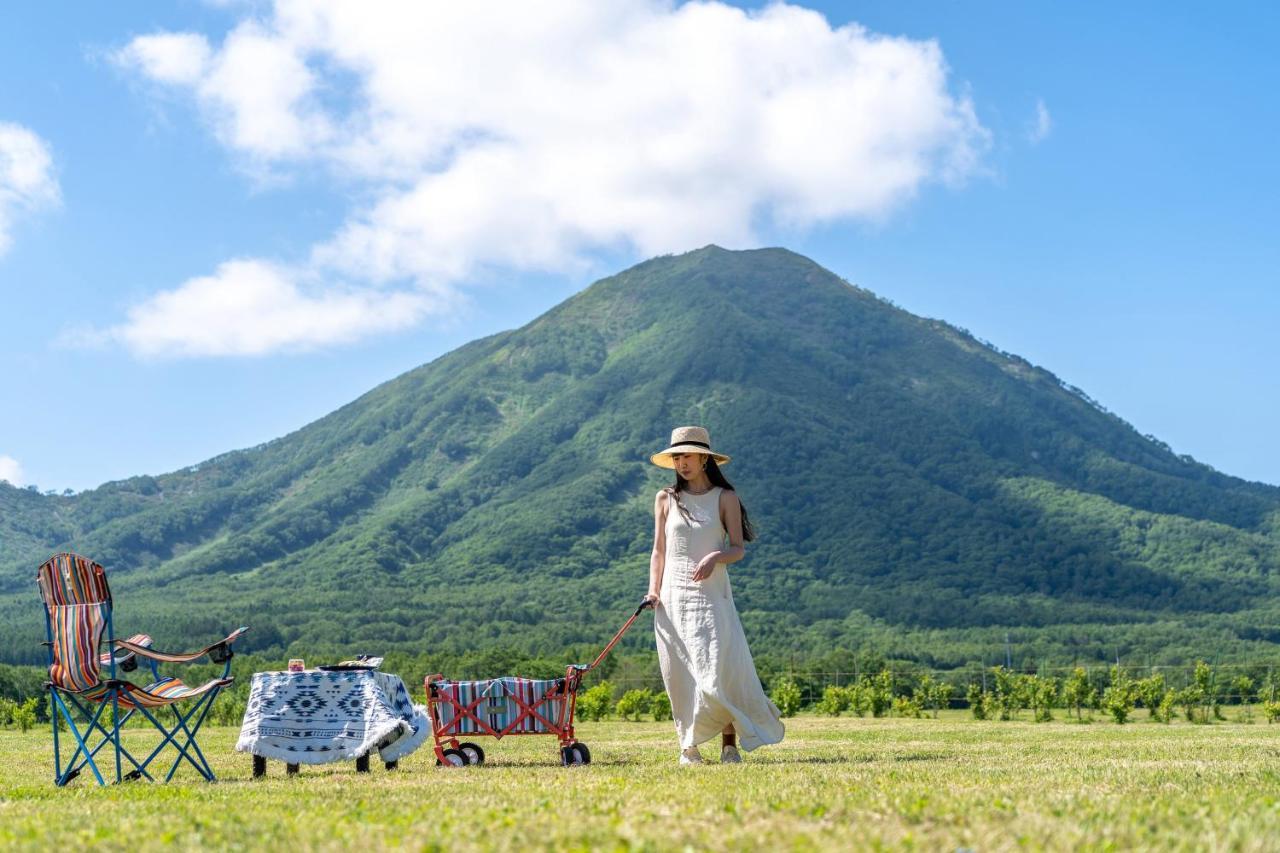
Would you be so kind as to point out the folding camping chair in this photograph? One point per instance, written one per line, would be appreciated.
(77, 604)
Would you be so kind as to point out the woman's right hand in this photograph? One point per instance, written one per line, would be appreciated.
(652, 599)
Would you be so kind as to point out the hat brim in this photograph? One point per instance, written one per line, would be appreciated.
(663, 459)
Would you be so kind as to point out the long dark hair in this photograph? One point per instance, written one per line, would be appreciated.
(717, 478)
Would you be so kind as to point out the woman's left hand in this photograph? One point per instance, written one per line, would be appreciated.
(706, 566)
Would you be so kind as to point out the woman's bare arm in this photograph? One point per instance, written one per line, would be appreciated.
(657, 560)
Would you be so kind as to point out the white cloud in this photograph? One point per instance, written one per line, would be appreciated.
(255, 87)
(526, 136)
(11, 470)
(249, 307)
(177, 58)
(27, 182)
(1041, 125)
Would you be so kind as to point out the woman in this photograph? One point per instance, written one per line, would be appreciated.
(699, 528)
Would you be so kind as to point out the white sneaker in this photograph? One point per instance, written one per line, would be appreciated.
(729, 755)
(690, 756)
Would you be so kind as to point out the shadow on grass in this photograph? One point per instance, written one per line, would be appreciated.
(918, 756)
(818, 759)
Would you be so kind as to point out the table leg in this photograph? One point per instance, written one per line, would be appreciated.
(392, 765)
(362, 764)
(291, 769)
(259, 766)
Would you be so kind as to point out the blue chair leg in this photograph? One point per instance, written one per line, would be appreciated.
(170, 739)
(72, 768)
(208, 705)
(106, 737)
(115, 730)
(203, 706)
(57, 755)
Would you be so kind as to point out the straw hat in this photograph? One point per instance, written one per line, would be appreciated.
(687, 439)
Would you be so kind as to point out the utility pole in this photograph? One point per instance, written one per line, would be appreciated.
(1008, 654)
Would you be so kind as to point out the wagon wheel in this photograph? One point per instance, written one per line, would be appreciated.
(291, 769)
(391, 765)
(583, 752)
(571, 755)
(454, 758)
(475, 755)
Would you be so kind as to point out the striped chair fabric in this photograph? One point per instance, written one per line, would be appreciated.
(498, 708)
(72, 579)
(166, 691)
(76, 633)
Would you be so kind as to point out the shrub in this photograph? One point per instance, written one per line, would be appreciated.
(1199, 698)
(859, 699)
(1077, 692)
(977, 699)
(1011, 692)
(634, 704)
(1270, 689)
(21, 715)
(905, 706)
(835, 701)
(1271, 710)
(593, 704)
(1151, 691)
(660, 706)
(1042, 693)
(1189, 699)
(1118, 698)
(786, 695)
(932, 694)
(1164, 713)
(1206, 685)
(878, 692)
(24, 716)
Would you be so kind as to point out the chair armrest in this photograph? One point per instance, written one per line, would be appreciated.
(219, 652)
(123, 657)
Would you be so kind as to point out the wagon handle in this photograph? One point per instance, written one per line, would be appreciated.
(644, 602)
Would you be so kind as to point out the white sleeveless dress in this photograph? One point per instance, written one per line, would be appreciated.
(702, 650)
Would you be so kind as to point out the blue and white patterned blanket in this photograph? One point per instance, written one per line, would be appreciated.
(319, 717)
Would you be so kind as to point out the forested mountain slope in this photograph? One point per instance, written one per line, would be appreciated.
(916, 491)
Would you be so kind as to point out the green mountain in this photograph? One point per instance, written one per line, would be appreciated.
(918, 492)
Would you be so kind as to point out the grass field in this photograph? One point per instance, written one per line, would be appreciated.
(846, 783)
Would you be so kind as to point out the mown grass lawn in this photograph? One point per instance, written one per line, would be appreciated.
(846, 783)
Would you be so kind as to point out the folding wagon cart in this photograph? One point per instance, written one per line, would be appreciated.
(500, 707)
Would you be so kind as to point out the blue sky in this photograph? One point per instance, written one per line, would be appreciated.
(219, 222)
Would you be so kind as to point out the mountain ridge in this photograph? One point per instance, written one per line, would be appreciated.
(896, 462)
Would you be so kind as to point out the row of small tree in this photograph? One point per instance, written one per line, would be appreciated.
(637, 704)
(997, 693)
(1200, 701)
(1006, 694)
(875, 695)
